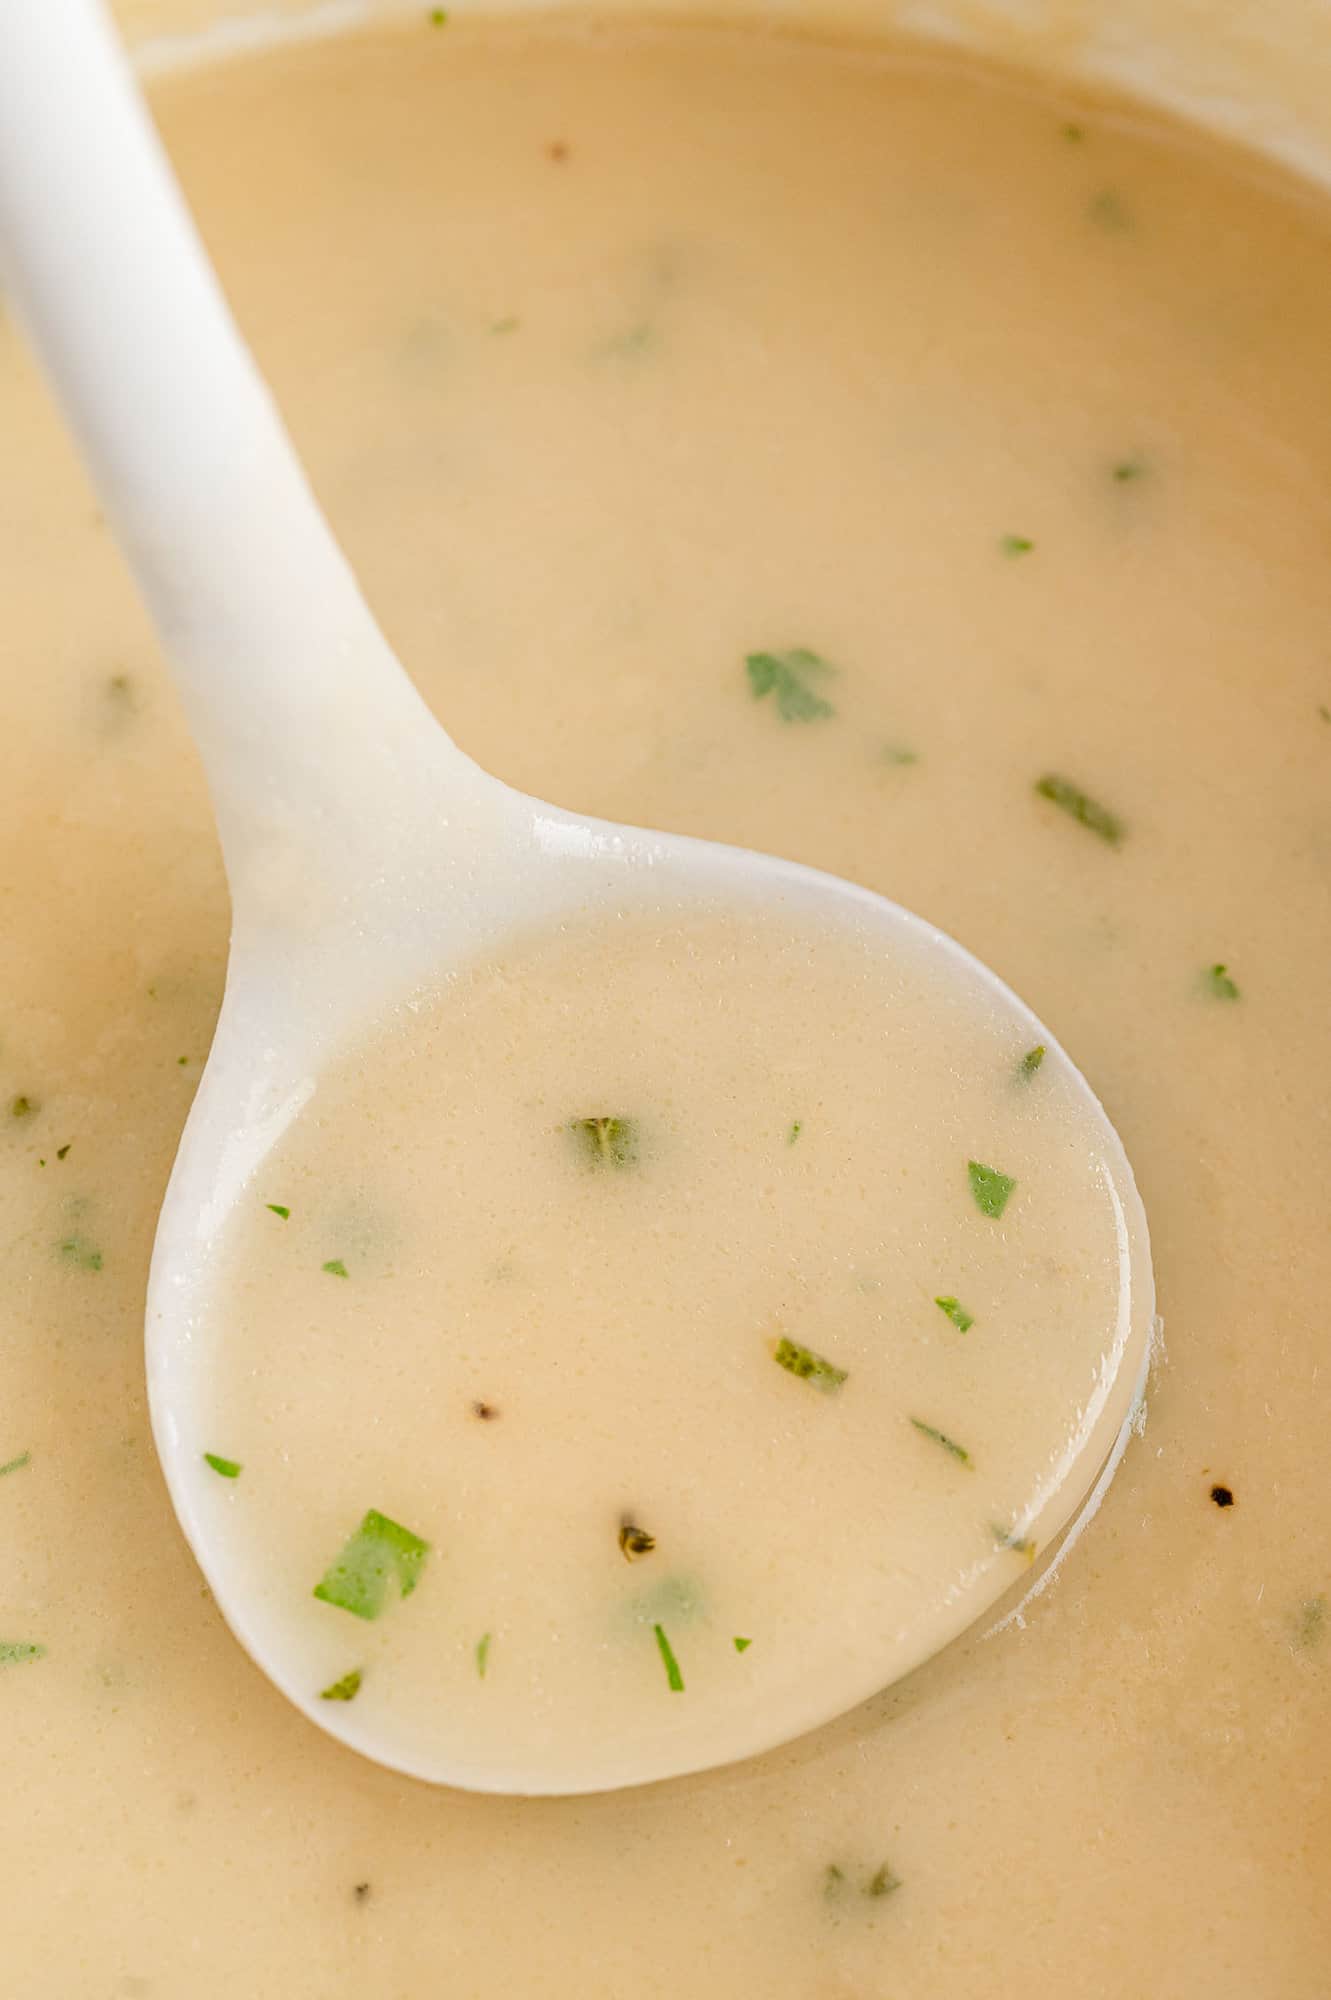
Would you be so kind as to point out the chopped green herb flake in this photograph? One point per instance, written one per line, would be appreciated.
(358, 1580)
(882, 1882)
(1087, 812)
(119, 701)
(940, 1437)
(61, 1152)
(336, 1268)
(794, 1132)
(1219, 983)
(1031, 1061)
(229, 1468)
(16, 1464)
(635, 1541)
(668, 1660)
(1008, 1538)
(1109, 212)
(483, 1653)
(788, 677)
(1074, 134)
(182, 1060)
(13, 1652)
(1324, 711)
(1127, 469)
(957, 1313)
(24, 1107)
(277, 1208)
(991, 1189)
(507, 325)
(629, 344)
(344, 1690)
(438, 17)
(76, 1250)
(834, 1882)
(607, 1142)
(897, 753)
(742, 1645)
(1016, 545)
(1310, 1622)
(809, 1367)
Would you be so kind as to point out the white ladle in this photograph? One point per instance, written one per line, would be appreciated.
(366, 854)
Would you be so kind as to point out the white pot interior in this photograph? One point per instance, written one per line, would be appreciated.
(1259, 75)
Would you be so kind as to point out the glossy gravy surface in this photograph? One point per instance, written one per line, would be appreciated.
(664, 1334)
(618, 359)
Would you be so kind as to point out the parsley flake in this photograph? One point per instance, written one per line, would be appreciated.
(882, 1882)
(336, 1268)
(77, 1250)
(228, 1468)
(788, 677)
(344, 1690)
(956, 1312)
(277, 1208)
(808, 1366)
(668, 1660)
(1079, 805)
(1310, 1622)
(1219, 984)
(991, 1189)
(1008, 1538)
(483, 1653)
(1031, 1061)
(357, 1581)
(16, 1464)
(1110, 212)
(957, 1451)
(607, 1142)
(13, 1652)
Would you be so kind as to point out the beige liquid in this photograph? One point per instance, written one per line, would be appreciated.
(643, 1276)
(722, 424)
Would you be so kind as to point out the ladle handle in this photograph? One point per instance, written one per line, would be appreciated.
(299, 706)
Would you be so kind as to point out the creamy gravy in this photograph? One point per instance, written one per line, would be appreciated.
(649, 1309)
(616, 359)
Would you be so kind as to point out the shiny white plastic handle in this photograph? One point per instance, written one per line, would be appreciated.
(291, 689)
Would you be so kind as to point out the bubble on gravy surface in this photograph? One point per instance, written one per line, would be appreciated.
(1030, 449)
